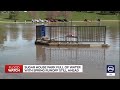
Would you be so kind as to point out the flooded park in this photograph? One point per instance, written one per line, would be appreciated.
(17, 46)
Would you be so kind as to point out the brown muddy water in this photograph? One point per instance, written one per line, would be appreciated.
(17, 47)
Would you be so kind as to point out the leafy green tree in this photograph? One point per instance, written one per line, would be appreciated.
(13, 15)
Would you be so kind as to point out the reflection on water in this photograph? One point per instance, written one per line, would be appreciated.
(68, 55)
(17, 47)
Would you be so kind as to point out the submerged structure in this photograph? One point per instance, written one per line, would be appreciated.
(71, 35)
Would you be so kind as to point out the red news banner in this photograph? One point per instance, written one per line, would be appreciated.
(13, 68)
(43, 68)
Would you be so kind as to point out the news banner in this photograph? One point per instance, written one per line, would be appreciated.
(110, 69)
(43, 68)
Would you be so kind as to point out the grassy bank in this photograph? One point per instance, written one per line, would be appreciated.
(75, 16)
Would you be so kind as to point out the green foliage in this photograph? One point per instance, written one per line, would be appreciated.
(13, 15)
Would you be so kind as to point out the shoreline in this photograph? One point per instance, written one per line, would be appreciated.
(54, 22)
(95, 21)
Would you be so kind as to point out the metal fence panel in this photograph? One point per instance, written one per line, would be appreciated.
(75, 33)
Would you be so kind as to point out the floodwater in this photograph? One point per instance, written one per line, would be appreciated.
(17, 47)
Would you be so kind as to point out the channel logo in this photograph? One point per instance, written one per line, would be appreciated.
(110, 70)
(13, 68)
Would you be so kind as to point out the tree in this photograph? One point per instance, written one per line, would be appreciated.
(34, 14)
(13, 15)
(56, 14)
(52, 14)
(65, 14)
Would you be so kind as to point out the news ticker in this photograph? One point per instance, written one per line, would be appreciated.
(43, 68)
